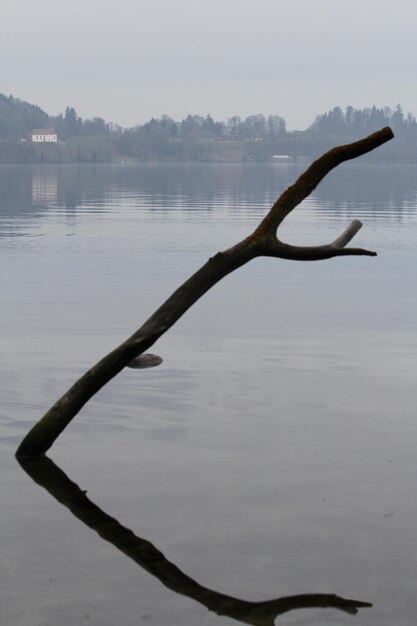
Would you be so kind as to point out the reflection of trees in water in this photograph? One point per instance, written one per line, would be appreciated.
(172, 186)
(177, 186)
(204, 187)
(16, 200)
(158, 187)
(71, 185)
(44, 188)
(44, 472)
(369, 187)
(16, 190)
(378, 188)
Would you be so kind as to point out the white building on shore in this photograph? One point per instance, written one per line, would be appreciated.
(44, 135)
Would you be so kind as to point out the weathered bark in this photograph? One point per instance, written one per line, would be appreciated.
(44, 472)
(262, 242)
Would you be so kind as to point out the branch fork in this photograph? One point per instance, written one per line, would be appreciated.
(276, 248)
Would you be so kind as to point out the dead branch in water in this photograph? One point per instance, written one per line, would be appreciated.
(262, 242)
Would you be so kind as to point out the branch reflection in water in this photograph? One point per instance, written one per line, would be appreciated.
(44, 472)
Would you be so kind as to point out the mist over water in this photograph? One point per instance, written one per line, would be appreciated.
(273, 451)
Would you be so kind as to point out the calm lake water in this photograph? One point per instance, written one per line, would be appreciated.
(272, 454)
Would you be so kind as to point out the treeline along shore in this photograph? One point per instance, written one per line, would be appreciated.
(195, 138)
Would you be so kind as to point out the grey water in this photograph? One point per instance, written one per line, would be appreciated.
(272, 454)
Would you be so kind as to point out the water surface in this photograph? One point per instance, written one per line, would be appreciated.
(271, 454)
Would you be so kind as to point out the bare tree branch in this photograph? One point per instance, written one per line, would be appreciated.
(262, 242)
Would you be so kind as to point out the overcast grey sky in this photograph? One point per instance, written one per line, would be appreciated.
(133, 59)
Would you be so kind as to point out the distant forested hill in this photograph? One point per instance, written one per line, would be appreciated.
(83, 141)
(19, 118)
(343, 125)
(197, 138)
